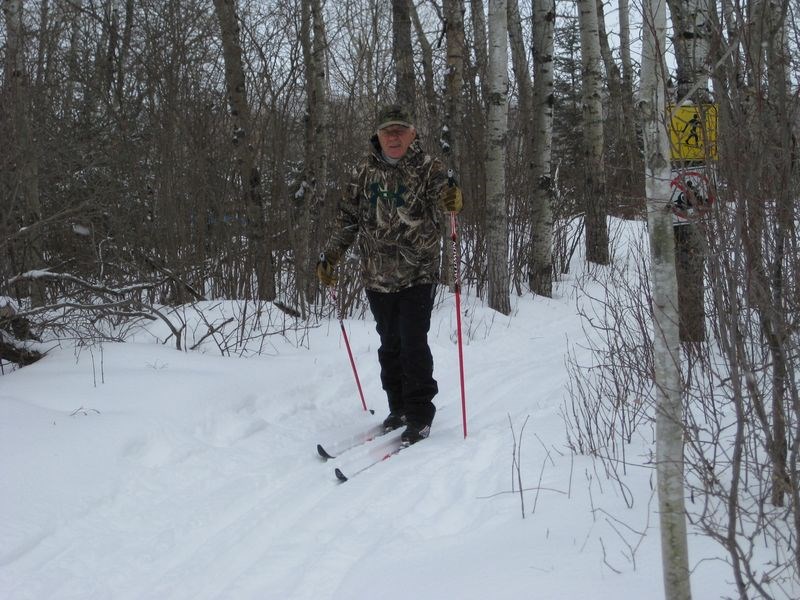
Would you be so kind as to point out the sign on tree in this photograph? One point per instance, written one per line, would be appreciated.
(693, 132)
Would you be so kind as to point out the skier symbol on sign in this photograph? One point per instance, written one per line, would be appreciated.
(691, 196)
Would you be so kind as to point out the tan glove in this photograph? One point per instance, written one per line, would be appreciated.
(451, 198)
(325, 271)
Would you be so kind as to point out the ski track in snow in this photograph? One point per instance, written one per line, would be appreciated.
(189, 476)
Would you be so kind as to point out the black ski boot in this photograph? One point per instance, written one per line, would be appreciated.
(414, 433)
(393, 421)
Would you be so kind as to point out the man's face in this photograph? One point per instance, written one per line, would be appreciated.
(395, 140)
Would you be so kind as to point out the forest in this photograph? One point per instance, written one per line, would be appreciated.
(163, 153)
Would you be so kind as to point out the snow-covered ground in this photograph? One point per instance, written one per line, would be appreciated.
(136, 471)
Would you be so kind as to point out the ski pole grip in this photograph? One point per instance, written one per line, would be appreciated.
(451, 177)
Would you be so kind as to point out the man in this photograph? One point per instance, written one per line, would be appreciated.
(394, 204)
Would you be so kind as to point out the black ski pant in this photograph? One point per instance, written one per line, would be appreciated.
(402, 320)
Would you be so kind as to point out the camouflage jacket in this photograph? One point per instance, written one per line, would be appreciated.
(395, 212)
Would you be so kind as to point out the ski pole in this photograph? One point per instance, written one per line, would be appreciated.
(339, 311)
(457, 281)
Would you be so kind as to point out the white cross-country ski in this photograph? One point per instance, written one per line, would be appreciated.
(341, 440)
(368, 455)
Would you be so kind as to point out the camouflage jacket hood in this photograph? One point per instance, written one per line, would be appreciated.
(394, 212)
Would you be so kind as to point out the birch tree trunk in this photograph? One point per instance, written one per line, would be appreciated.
(691, 40)
(666, 342)
(405, 89)
(311, 195)
(625, 47)
(454, 104)
(259, 243)
(540, 269)
(454, 81)
(497, 212)
(594, 193)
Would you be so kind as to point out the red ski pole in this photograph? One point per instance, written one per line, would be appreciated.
(339, 311)
(457, 280)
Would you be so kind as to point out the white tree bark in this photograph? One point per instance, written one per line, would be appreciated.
(595, 202)
(666, 342)
(497, 213)
(453, 104)
(314, 186)
(692, 41)
(540, 269)
(454, 80)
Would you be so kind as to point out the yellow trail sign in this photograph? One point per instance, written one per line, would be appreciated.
(693, 132)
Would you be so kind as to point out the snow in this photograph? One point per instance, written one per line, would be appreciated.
(135, 470)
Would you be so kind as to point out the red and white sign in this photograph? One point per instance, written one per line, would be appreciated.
(691, 195)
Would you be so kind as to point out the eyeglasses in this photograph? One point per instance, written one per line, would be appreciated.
(391, 132)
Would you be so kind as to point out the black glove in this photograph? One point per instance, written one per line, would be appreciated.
(325, 271)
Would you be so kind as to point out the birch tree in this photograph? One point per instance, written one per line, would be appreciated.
(453, 102)
(540, 269)
(454, 80)
(666, 342)
(497, 212)
(691, 39)
(314, 184)
(244, 150)
(594, 193)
